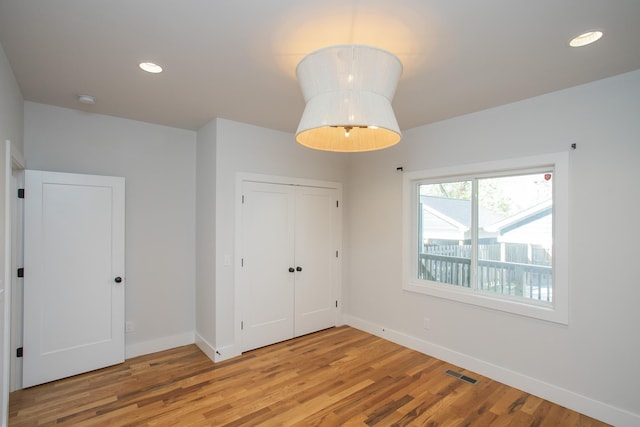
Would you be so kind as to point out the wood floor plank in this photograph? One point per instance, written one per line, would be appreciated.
(337, 377)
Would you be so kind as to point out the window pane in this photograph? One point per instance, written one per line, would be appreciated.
(515, 235)
(444, 228)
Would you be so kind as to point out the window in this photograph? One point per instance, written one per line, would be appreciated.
(492, 234)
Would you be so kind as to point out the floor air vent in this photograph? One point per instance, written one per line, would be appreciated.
(461, 377)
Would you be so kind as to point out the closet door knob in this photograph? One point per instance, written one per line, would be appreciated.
(118, 279)
(291, 270)
(298, 268)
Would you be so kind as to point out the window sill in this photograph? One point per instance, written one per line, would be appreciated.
(514, 305)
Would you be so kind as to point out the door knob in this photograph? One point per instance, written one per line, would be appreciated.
(298, 268)
(291, 270)
(118, 279)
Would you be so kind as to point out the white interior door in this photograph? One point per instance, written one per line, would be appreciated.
(267, 255)
(289, 264)
(316, 260)
(74, 274)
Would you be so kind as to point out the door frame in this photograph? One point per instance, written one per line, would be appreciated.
(14, 164)
(241, 177)
(17, 259)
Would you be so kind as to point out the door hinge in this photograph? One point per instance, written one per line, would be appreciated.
(241, 262)
(242, 325)
(337, 204)
(21, 272)
(19, 352)
(336, 303)
(336, 254)
(20, 193)
(243, 199)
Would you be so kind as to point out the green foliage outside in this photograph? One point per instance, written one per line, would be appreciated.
(503, 195)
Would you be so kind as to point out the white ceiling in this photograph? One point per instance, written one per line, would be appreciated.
(236, 59)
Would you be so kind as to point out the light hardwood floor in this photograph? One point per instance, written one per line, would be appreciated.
(341, 376)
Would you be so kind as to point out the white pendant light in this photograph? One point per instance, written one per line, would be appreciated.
(348, 90)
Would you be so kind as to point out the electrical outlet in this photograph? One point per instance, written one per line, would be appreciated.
(426, 323)
(128, 327)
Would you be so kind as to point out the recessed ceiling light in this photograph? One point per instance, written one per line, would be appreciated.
(150, 67)
(87, 99)
(585, 39)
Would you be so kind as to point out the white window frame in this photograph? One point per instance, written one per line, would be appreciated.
(556, 311)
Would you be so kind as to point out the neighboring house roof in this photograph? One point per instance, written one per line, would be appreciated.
(532, 225)
(460, 210)
(441, 226)
(450, 219)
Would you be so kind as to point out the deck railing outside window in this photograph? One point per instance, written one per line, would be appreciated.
(506, 278)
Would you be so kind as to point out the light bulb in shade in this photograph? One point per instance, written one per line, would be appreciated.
(585, 38)
(150, 67)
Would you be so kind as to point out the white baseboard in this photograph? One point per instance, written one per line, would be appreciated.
(206, 347)
(159, 344)
(574, 401)
(226, 352)
(216, 355)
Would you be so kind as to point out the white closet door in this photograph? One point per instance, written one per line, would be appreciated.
(267, 255)
(74, 274)
(315, 258)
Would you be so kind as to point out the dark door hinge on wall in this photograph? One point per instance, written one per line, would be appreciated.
(20, 193)
(19, 352)
(21, 272)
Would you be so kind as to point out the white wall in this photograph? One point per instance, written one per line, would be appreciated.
(11, 112)
(158, 164)
(251, 149)
(590, 365)
(206, 238)
(11, 128)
